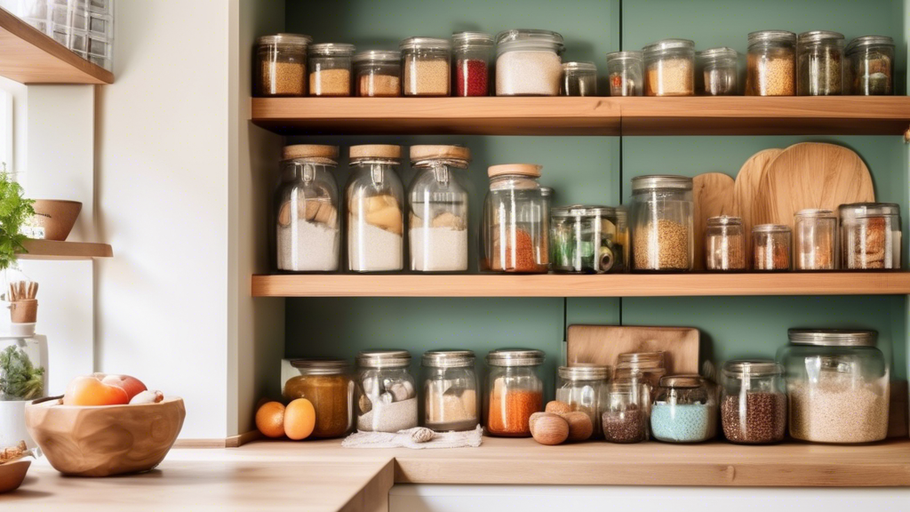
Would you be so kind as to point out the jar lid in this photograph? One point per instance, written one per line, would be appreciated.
(641, 359)
(383, 359)
(529, 39)
(721, 52)
(623, 56)
(579, 66)
(577, 210)
(869, 209)
(285, 39)
(392, 56)
(424, 43)
(515, 357)
(766, 36)
(585, 372)
(546, 191)
(622, 213)
(460, 39)
(725, 220)
(448, 358)
(532, 170)
(815, 212)
(376, 151)
(669, 44)
(771, 228)
(325, 152)
(661, 181)
(819, 36)
(681, 381)
(321, 366)
(332, 49)
(431, 152)
(863, 41)
(833, 337)
(754, 367)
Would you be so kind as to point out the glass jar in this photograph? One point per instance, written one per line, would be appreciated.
(378, 74)
(387, 395)
(663, 225)
(624, 263)
(450, 390)
(870, 66)
(684, 410)
(472, 53)
(820, 55)
(515, 391)
(308, 226)
(725, 244)
(815, 240)
(670, 68)
(753, 403)
(717, 73)
(584, 240)
(514, 231)
(624, 73)
(870, 236)
(837, 385)
(23, 368)
(584, 388)
(771, 63)
(280, 68)
(771, 247)
(625, 412)
(438, 222)
(578, 79)
(426, 65)
(375, 196)
(330, 69)
(648, 367)
(328, 385)
(528, 62)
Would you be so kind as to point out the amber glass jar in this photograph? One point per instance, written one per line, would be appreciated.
(328, 385)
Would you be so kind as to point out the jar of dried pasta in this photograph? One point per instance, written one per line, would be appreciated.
(670, 68)
(280, 68)
(870, 235)
(330, 69)
(426, 67)
(329, 386)
(771, 247)
(771, 63)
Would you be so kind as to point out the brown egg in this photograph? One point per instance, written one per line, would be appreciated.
(299, 419)
(550, 430)
(580, 426)
(270, 419)
(557, 407)
(533, 419)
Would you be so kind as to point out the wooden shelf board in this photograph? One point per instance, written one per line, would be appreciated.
(53, 250)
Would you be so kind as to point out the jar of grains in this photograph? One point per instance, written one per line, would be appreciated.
(387, 396)
(753, 403)
(717, 73)
(450, 390)
(684, 410)
(670, 68)
(328, 385)
(584, 388)
(472, 54)
(375, 198)
(837, 385)
(820, 70)
(438, 221)
(330, 69)
(584, 239)
(870, 66)
(725, 244)
(515, 226)
(771, 63)
(624, 73)
(515, 391)
(528, 62)
(426, 66)
(624, 414)
(308, 226)
(578, 79)
(281, 65)
(870, 236)
(771, 247)
(377, 73)
(815, 240)
(663, 226)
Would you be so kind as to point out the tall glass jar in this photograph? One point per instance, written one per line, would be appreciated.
(387, 395)
(375, 197)
(837, 384)
(870, 236)
(426, 66)
(771, 247)
(328, 385)
(624, 73)
(584, 388)
(663, 225)
(528, 62)
(330, 69)
(514, 391)
(308, 227)
(771, 63)
(717, 72)
(815, 240)
(725, 244)
(281, 65)
(753, 403)
(377, 73)
(515, 225)
(578, 79)
(584, 239)
(473, 52)
(684, 410)
(624, 414)
(438, 223)
(23, 372)
(450, 390)
(870, 66)
(820, 55)
(670, 68)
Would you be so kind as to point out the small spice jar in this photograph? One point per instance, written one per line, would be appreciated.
(386, 394)
(870, 236)
(584, 240)
(584, 388)
(815, 240)
(717, 73)
(648, 367)
(378, 73)
(870, 66)
(450, 390)
(578, 79)
(624, 73)
(515, 391)
(820, 70)
(515, 226)
(684, 410)
(281, 65)
(669, 68)
(624, 414)
(663, 224)
(330, 69)
(328, 385)
(426, 65)
(375, 200)
(472, 52)
(771, 247)
(528, 62)
(725, 244)
(771, 63)
(308, 226)
(753, 403)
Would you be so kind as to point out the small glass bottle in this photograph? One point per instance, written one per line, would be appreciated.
(578, 79)
(515, 227)
(820, 55)
(624, 73)
(377, 74)
(771, 247)
(328, 385)
(584, 388)
(684, 410)
(426, 66)
(386, 393)
(717, 73)
(870, 66)
(670, 68)
(624, 415)
(771, 63)
(753, 403)
(725, 244)
(528, 62)
(663, 223)
(281, 65)
(472, 52)
(450, 393)
(515, 391)
(374, 197)
(330, 69)
(870, 236)
(815, 239)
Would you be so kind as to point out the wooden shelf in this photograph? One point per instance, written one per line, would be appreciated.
(52, 250)
(30, 57)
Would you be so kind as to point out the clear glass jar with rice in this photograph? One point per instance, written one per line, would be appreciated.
(426, 66)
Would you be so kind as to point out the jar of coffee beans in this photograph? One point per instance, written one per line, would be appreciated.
(753, 403)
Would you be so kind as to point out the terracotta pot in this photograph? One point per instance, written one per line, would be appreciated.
(24, 311)
(57, 217)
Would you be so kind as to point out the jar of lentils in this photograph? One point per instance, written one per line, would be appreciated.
(663, 225)
(717, 72)
(377, 74)
(753, 403)
(578, 79)
(771, 247)
(624, 73)
(450, 393)
(670, 68)
(820, 57)
(426, 66)
(472, 54)
(330, 69)
(528, 62)
(515, 391)
(815, 240)
(584, 388)
(515, 226)
(870, 236)
(725, 244)
(771, 63)
(281, 65)
(870, 66)
(624, 415)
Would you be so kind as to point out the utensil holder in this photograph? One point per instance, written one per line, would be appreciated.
(24, 311)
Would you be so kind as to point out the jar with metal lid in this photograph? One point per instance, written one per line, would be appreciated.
(386, 392)
(515, 226)
(771, 63)
(870, 236)
(375, 199)
(684, 410)
(330, 69)
(308, 227)
(725, 244)
(870, 66)
(820, 56)
(624, 73)
(584, 388)
(514, 391)
(624, 414)
(584, 239)
(837, 384)
(473, 52)
(771, 247)
(815, 240)
(753, 403)
(328, 385)
(438, 222)
(280, 68)
(663, 223)
(426, 66)
(377, 73)
(578, 79)
(450, 390)
(528, 62)
(717, 73)
(669, 68)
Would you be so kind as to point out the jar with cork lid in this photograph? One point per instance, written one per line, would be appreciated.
(771, 63)
(386, 393)
(725, 244)
(377, 74)
(663, 224)
(815, 239)
(472, 53)
(515, 225)
(426, 66)
(329, 386)
(450, 390)
(820, 63)
(281, 64)
(514, 391)
(771, 247)
(753, 403)
(669, 68)
(374, 197)
(330, 69)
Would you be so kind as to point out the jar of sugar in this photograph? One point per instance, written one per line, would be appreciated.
(528, 62)
(375, 199)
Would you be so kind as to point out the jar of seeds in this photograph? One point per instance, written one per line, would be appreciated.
(280, 68)
(684, 410)
(426, 66)
(670, 68)
(717, 73)
(330, 69)
(578, 79)
(450, 393)
(753, 403)
(820, 70)
(386, 394)
(528, 62)
(624, 414)
(870, 236)
(725, 244)
(815, 239)
(771, 247)
(584, 388)
(771, 63)
(472, 54)
(377, 73)
(624, 73)
(663, 225)
(870, 66)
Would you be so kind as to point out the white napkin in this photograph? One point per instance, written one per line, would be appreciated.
(417, 438)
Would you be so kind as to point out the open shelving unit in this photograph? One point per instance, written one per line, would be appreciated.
(54, 250)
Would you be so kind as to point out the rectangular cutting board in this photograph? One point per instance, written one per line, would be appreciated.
(601, 344)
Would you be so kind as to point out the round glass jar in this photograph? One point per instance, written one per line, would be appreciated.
(725, 244)
(377, 74)
(624, 414)
(24, 373)
(870, 66)
(450, 390)
(386, 394)
(648, 367)
(472, 52)
(771, 63)
(663, 224)
(820, 58)
(837, 385)
(528, 62)
(815, 240)
(328, 385)
(684, 410)
(515, 226)
(870, 236)
(584, 240)
(375, 199)
(578, 79)
(717, 73)
(584, 388)
(280, 68)
(330, 69)
(771, 247)
(669, 68)
(514, 391)
(624, 73)
(425, 62)
(753, 403)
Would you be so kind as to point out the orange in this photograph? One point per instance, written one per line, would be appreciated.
(299, 419)
(270, 419)
(91, 391)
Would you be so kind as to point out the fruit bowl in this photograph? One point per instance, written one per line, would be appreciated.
(104, 440)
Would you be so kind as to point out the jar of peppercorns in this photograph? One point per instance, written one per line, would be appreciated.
(515, 226)
(472, 53)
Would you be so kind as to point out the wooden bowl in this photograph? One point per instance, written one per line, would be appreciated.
(12, 474)
(57, 217)
(104, 440)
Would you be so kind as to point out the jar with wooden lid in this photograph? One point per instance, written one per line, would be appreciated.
(753, 403)
(771, 247)
(870, 66)
(820, 58)
(771, 63)
(684, 410)
(515, 226)
(624, 414)
(624, 73)
(450, 390)
(585, 240)
(330, 69)
(528, 62)
(717, 72)
(308, 227)
(815, 239)
(725, 244)
(669, 68)
(870, 236)
(578, 79)
(426, 66)
(281, 65)
(377, 74)
(386, 392)
(584, 388)
(438, 222)
(472, 53)
(375, 200)
(514, 391)
(663, 224)
(329, 386)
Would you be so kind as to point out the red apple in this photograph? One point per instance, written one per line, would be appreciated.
(131, 385)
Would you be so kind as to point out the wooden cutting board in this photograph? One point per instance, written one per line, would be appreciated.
(713, 196)
(746, 188)
(601, 344)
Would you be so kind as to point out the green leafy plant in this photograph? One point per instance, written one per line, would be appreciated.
(19, 379)
(15, 211)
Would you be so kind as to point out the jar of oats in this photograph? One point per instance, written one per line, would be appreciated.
(425, 66)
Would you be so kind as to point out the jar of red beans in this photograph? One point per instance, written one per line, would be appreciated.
(472, 51)
(515, 227)
(753, 407)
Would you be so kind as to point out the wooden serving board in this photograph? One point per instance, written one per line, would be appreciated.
(713, 195)
(601, 344)
(746, 188)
